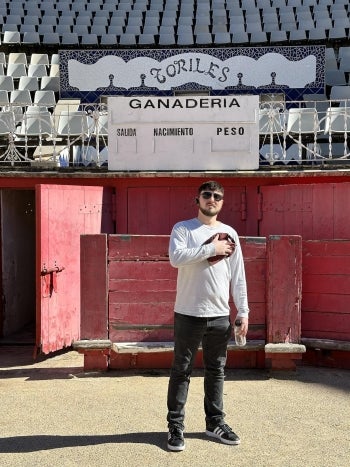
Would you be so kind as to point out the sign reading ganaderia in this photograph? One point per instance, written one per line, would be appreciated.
(183, 133)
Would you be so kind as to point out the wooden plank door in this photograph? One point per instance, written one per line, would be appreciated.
(314, 211)
(154, 210)
(286, 210)
(63, 213)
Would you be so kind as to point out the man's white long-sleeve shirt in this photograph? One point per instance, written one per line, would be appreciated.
(203, 289)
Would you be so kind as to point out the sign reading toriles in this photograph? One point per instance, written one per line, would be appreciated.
(88, 74)
(183, 133)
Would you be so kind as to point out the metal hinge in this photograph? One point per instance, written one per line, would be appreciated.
(260, 206)
(243, 206)
(49, 280)
(114, 203)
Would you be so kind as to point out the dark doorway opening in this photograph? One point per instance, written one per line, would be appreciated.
(17, 307)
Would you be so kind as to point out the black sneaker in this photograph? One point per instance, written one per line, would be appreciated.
(224, 433)
(176, 440)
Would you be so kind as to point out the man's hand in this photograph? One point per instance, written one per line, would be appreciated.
(244, 326)
(223, 247)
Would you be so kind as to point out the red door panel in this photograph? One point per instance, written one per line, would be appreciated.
(341, 210)
(148, 210)
(318, 211)
(154, 210)
(63, 213)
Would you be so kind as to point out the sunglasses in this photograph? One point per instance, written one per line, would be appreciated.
(209, 194)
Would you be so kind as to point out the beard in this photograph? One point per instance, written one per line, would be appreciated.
(209, 212)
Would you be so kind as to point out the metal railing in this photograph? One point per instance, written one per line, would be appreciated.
(76, 135)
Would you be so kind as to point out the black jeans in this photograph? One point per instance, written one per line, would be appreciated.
(214, 334)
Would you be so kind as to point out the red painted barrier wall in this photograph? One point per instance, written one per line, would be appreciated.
(297, 289)
(142, 287)
(326, 289)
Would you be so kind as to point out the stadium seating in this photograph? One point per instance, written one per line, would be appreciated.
(33, 31)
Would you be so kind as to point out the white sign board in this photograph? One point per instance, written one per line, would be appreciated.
(183, 133)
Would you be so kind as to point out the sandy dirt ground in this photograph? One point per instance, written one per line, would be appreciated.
(54, 414)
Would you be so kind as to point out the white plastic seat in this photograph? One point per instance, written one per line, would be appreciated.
(344, 51)
(11, 37)
(337, 120)
(16, 70)
(222, 38)
(54, 59)
(185, 39)
(31, 19)
(54, 70)
(219, 28)
(3, 58)
(318, 34)
(28, 82)
(14, 18)
(98, 29)
(71, 38)
(7, 123)
(303, 120)
(99, 127)
(271, 121)
(201, 29)
(72, 123)
(115, 30)
(117, 21)
(109, 39)
(136, 30)
(36, 123)
(340, 92)
(45, 98)
(338, 32)
(10, 27)
(82, 20)
(37, 70)
(51, 83)
(20, 98)
(46, 27)
(146, 39)
(240, 37)
(51, 38)
(89, 39)
(39, 59)
(81, 29)
(27, 28)
(278, 36)
(128, 39)
(335, 78)
(6, 83)
(204, 38)
(17, 57)
(297, 35)
(150, 29)
(258, 37)
(65, 19)
(63, 29)
(4, 98)
(167, 29)
(30, 37)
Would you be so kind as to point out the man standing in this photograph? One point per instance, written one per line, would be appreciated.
(210, 265)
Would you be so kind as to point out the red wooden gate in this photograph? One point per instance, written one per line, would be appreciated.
(318, 211)
(154, 210)
(62, 214)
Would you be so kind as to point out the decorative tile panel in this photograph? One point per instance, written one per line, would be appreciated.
(293, 71)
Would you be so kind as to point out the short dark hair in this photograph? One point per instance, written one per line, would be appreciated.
(212, 186)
